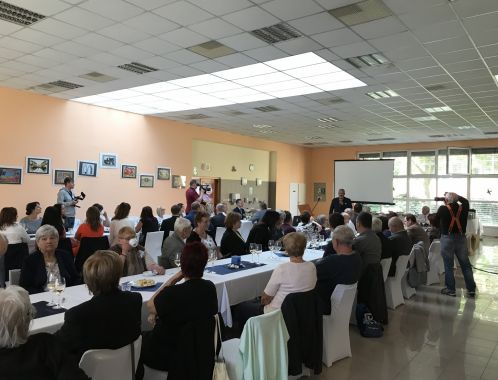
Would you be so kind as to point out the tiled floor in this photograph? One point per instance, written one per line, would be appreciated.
(433, 336)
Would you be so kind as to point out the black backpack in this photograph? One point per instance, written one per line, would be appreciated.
(369, 328)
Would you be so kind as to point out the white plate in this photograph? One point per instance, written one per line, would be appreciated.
(136, 284)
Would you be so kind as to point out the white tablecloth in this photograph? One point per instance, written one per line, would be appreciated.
(231, 289)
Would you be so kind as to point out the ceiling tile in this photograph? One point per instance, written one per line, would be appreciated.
(209, 66)
(46, 8)
(116, 10)
(221, 7)
(215, 28)
(75, 49)
(236, 60)
(298, 45)
(185, 57)
(151, 23)
(427, 16)
(354, 50)
(150, 4)
(337, 37)
(183, 13)
(84, 19)
(8, 27)
(251, 18)
(123, 33)
(131, 53)
(36, 37)
(55, 55)
(98, 41)
(241, 42)
(19, 45)
(291, 9)
(156, 46)
(317, 23)
(58, 28)
(380, 28)
(266, 53)
(184, 37)
(9, 53)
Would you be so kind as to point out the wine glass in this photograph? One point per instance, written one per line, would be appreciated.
(271, 245)
(278, 246)
(253, 247)
(259, 250)
(51, 287)
(214, 257)
(177, 259)
(60, 285)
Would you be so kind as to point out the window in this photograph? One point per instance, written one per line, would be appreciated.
(369, 156)
(441, 162)
(423, 163)
(423, 188)
(458, 161)
(455, 185)
(400, 162)
(484, 189)
(415, 206)
(399, 188)
(485, 161)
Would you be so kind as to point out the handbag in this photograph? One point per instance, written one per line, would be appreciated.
(220, 368)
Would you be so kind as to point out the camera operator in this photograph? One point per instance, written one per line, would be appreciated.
(453, 222)
(66, 198)
(191, 195)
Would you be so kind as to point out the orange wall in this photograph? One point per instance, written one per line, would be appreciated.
(36, 125)
(320, 167)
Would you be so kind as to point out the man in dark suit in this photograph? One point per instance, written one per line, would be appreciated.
(111, 319)
(169, 224)
(367, 244)
(340, 203)
(217, 221)
(401, 243)
(240, 208)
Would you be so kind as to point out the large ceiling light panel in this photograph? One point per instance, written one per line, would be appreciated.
(280, 78)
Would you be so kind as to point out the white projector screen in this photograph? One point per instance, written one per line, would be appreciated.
(365, 181)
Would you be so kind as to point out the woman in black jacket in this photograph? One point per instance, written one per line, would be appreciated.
(263, 231)
(232, 242)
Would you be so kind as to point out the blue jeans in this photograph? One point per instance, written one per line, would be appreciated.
(451, 245)
(69, 222)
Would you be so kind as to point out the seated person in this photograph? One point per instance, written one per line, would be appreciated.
(219, 219)
(24, 356)
(416, 233)
(385, 225)
(258, 215)
(357, 209)
(423, 219)
(239, 203)
(367, 244)
(232, 242)
(434, 232)
(147, 223)
(168, 225)
(335, 220)
(322, 220)
(262, 232)
(200, 233)
(14, 232)
(111, 319)
(342, 268)
(347, 220)
(401, 243)
(136, 260)
(47, 259)
(91, 228)
(194, 209)
(294, 276)
(277, 233)
(287, 224)
(307, 225)
(175, 306)
(104, 219)
(387, 250)
(175, 243)
(31, 222)
(120, 219)
(53, 217)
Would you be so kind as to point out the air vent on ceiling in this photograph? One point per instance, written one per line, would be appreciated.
(361, 12)
(212, 49)
(233, 113)
(66, 85)
(276, 33)
(53, 87)
(329, 101)
(267, 109)
(261, 126)
(194, 116)
(97, 77)
(382, 139)
(436, 136)
(313, 138)
(329, 119)
(368, 60)
(436, 87)
(448, 135)
(491, 133)
(137, 68)
(18, 15)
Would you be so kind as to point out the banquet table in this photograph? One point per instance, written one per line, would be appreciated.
(231, 288)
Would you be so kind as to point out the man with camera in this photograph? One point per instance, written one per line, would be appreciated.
(66, 197)
(453, 222)
(191, 195)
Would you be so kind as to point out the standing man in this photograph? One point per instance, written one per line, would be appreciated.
(453, 222)
(340, 203)
(240, 208)
(66, 198)
(191, 195)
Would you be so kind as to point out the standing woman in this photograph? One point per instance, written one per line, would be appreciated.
(199, 233)
(31, 222)
(45, 261)
(232, 242)
(9, 227)
(119, 221)
(147, 223)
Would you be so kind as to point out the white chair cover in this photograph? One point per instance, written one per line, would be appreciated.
(394, 295)
(435, 263)
(14, 276)
(336, 344)
(153, 243)
(386, 264)
(245, 228)
(219, 234)
(111, 364)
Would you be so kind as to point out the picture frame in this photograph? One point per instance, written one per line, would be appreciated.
(60, 174)
(146, 180)
(259, 182)
(87, 168)
(37, 165)
(243, 181)
(10, 175)
(163, 173)
(178, 181)
(108, 161)
(129, 171)
(319, 191)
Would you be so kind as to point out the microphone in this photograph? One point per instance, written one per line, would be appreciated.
(316, 203)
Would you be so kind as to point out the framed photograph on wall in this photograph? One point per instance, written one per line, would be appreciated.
(108, 160)
(178, 181)
(163, 173)
(60, 174)
(319, 191)
(243, 181)
(87, 168)
(146, 180)
(10, 175)
(128, 171)
(37, 165)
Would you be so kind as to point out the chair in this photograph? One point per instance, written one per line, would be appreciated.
(65, 245)
(245, 228)
(219, 234)
(88, 246)
(261, 351)
(154, 242)
(336, 344)
(14, 276)
(386, 264)
(406, 289)
(117, 364)
(14, 257)
(435, 263)
(154, 374)
(394, 295)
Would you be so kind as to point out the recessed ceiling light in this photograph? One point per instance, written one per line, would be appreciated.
(425, 118)
(329, 119)
(465, 127)
(280, 78)
(261, 126)
(438, 109)
(383, 94)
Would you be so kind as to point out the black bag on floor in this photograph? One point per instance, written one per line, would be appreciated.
(369, 328)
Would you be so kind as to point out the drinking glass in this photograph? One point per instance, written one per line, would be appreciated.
(51, 287)
(60, 285)
(177, 259)
(214, 257)
(277, 246)
(271, 245)
(259, 250)
(253, 247)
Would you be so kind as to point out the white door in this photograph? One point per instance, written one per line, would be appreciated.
(294, 198)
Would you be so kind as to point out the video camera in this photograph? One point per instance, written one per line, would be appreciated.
(79, 198)
(205, 188)
(440, 199)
